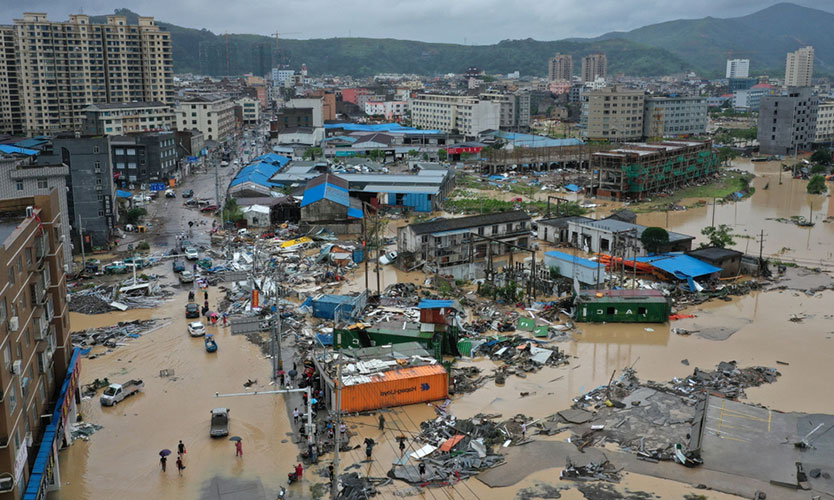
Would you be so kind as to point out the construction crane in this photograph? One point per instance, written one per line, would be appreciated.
(282, 34)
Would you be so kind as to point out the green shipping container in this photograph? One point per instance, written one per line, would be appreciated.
(465, 347)
(648, 307)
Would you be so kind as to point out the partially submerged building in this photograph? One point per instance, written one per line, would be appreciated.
(587, 272)
(637, 170)
(727, 259)
(622, 306)
(606, 235)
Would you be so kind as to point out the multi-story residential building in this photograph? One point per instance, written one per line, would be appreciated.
(35, 348)
(212, 115)
(328, 103)
(799, 67)
(787, 122)
(120, 118)
(594, 66)
(749, 99)
(141, 159)
(674, 116)
(189, 142)
(515, 109)
(51, 71)
(314, 104)
(738, 68)
(560, 67)
(390, 110)
(466, 115)
(292, 118)
(91, 192)
(824, 132)
(21, 176)
(279, 76)
(613, 113)
(454, 246)
(351, 94)
(250, 110)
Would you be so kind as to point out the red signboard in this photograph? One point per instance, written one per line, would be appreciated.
(459, 150)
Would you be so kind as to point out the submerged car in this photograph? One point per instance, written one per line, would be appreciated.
(219, 422)
(196, 329)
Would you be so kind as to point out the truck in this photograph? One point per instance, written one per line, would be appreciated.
(117, 392)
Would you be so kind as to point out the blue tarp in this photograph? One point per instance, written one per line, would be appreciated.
(680, 266)
(434, 304)
(122, 194)
(497, 178)
(325, 338)
(5, 148)
(379, 127)
(571, 187)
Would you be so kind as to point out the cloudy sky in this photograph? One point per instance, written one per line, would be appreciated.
(455, 21)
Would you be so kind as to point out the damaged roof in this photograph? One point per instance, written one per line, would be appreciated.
(440, 225)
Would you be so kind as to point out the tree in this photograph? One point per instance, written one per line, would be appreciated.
(726, 154)
(231, 211)
(719, 237)
(654, 239)
(817, 185)
(134, 214)
(412, 153)
(442, 154)
(311, 153)
(376, 154)
(821, 156)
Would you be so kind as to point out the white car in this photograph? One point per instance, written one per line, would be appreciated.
(388, 257)
(191, 254)
(196, 329)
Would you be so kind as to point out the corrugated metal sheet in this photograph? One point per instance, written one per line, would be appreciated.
(405, 386)
(681, 266)
(451, 442)
(435, 304)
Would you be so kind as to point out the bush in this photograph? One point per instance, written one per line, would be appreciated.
(144, 245)
(818, 169)
(821, 156)
(134, 214)
(719, 237)
(817, 185)
(654, 239)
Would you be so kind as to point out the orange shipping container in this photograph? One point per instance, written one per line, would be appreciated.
(418, 384)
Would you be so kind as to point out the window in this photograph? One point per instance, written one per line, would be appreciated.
(12, 398)
(19, 186)
(119, 151)
(2, 310)
(495, 229)
(42, 184)
(131, 152)
(95, 150)
(28, 254)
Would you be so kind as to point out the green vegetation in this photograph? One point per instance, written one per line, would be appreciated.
(730, 113)
(312, 153)
(818, 169)
(133, 215)
(726, 155)
(509, 293)
(729, 136)
(143, 246)
(654, 239)
(231, 211)
(442, 154)
(817, 185)
(485, 205)
(821, 156)
(720, 236)
(727, 184)
(554, 272)
(412, 153)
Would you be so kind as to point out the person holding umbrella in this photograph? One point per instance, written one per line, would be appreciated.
(163, 458)
(238, 445)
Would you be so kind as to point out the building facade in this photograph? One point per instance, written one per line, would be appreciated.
(141, 159)
(613, 113)
(799, 67)
(787, 122)
(315, 105)
(609, 235)
(51, 71)
(738, 68)
(214, 116)
(594, 66)
(466, 115)
(34, 329)
(515, 109)
(127, 118)
(824, 132)
(390, 110)
(560, 67)
(91, 192)
(279, 76)
(674, 116)
(250, 110)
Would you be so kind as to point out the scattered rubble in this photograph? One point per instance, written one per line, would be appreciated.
(520, 355)
(356, 487)
(116, 335)
(103, 299)
(603, 470)
(83, 430)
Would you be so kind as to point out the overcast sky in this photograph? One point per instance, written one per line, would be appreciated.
(455, 21)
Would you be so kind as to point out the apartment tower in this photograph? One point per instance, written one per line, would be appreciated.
(799, 66)
(594, 66)
(560, 67)
(51, 71)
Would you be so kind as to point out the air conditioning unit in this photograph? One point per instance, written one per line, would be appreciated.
(28, 439)
(16, 367)
(13, 324)
(66, 268)
(30, 211)
(6, 483)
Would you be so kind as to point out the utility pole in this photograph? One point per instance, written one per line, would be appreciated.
(81, 239)
(334, 484)
(217, 184)
(761, 250)
(713, 209)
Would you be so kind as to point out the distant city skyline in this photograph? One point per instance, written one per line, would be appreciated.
(465, 21)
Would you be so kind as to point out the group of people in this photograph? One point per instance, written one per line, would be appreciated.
(163, 459)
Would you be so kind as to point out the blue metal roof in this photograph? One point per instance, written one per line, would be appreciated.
(571, 187)
(335, 299)
(258, 173)
(579, 261)
(435, 304)
(32, 141)
(379, 127)
(325, 191)
(122, 194)
(356, 213)
(345, 138)
(5, 148)
(679, 265)
(535, 141)
(272, 158)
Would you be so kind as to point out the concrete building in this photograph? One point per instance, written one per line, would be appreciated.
(390, 110)
(799, 67)
(328, 103)
(607, 235)
(560, 67)
(279, 76)
(587, 272)
(141, 159)
(738, 68)
(189, 142)
(734, 84)
(787, 122)
(46, 82)
(555, 230)
(824, 131)
(315, 106)
(34, 332)
(674, 116)
(750, 99)
(594, 66)
(21, 176)
(291, 118)
(452, 246)
(466, 115)
(212, 115)
(613, 113)
(121, 118)
(515, 109)
(91, 192)
(250, 110)
(638, 170)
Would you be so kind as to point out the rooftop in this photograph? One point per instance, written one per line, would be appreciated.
(616, 226)
(440, 225)
(714, 253)
(125, 105)
(579, 261)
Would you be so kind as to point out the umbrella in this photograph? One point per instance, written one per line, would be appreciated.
(235, 438)
(293, 373)
(281, 372)
(165, 452)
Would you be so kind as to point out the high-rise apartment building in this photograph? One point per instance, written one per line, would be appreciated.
(212, 115)
(560, 67)
(787, 123)
(738, 68)
(51, 71)
(613, 113)
(799, 67)
(594, 66)
(674, 116)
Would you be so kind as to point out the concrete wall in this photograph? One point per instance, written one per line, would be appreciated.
(786, 122)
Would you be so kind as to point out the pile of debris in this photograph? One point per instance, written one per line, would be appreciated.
(83, 430)
(727, 380)
(466, 379)
(520, 355)
(603, 470)
(103, 299)
(356, 487)
(116, 335)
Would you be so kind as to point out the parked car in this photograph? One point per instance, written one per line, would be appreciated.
(388, 257)
(117, 392)
(191, 253)
(209, 208)
(188, 193)
(219, 422)
(192, 310)
(190, 202)
(169, 193)
(196, 328)
(185, 244)
(186, 277)
(177, 266)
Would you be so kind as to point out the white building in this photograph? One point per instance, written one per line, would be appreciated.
(738, 68)
(674, 116)
(466, 114)
(282, 75)
(389, 109)
(214, 116)
(119, 118)
(825, 122)
(313, 103)
(799, 67)
(250, 109)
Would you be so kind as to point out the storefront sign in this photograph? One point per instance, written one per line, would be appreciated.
(20, 462)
